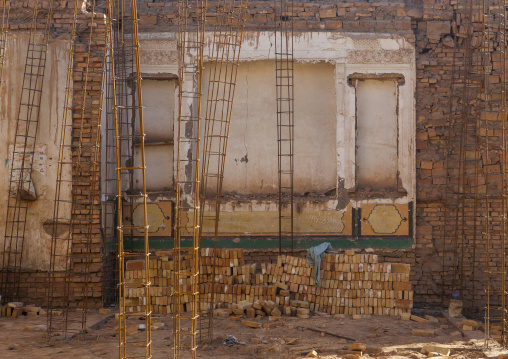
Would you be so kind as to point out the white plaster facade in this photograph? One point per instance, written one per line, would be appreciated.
(37, 243)
(351, 54)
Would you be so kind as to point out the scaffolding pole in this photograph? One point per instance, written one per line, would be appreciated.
(191, 27)
(77, 214)
(455, 107)
(223, 68)
(129, 133)
(467, 222)
(284, 73)
(492, 130)
(108, 191)
(22, 153)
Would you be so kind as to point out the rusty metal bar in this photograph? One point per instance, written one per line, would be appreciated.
(191, 27)
(72, 256)
(128, 124)
(21, 188)
(284, 74)
(492, 118)
(223, 66)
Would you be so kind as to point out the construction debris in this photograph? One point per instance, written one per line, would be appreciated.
(250, 323)
(419, 319)
(435, 349)
(312, 354)
(358, 347)
(328, 333)
(15, 309)
(423, 332)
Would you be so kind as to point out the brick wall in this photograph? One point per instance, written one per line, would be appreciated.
(428, 24)
(87, 95)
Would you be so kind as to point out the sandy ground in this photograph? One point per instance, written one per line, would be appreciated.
(386, 337)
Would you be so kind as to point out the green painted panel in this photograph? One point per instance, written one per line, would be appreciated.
(273, 243)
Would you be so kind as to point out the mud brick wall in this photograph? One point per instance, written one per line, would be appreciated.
(87, 87)
(354, 16)
(87, 248)
(429, 24)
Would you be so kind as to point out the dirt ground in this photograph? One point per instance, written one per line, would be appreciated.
(386, 337)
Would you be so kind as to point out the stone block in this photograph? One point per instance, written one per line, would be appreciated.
(401, 268)
(405, 316)
(327, 13)
(436, 29)
(148, 20)
(422, 332)
(250, 323)
(358, 347)
(302, 313)
(419, 319)
(273, 325)
(135, 265)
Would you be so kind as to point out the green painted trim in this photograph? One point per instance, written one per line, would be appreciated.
(273, 243)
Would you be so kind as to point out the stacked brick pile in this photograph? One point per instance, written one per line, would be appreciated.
(350, 283)
(15, 309)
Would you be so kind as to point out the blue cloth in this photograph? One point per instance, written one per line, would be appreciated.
(314, 256)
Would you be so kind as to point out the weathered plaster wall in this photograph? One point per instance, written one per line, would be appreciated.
(428, 26)
(161, 113)
(159, 97)
(251, 164)
(376, 134)
(37, 236)
(325, 119)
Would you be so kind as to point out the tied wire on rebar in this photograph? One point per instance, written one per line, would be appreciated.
(222, 75)
(190, 39)
(284, 73)
(71, 257)
(477, 138)
(21, 159)
(462, 198)
(492, 132)
(108, 191)
(455, 103)
(127, 111)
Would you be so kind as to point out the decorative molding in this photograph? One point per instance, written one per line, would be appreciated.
(380, 57)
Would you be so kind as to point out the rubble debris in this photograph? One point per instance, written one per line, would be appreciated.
(328, 333)
(423, 332)
(250, 323)
(419, 319)
(312, 354)
(230, 341)
(435, 349)
(455, 308)
(405, 316)
(273, 325)
(358, 347)
(471, 323)
(15, 309)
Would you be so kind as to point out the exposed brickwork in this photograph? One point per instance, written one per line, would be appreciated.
(349, 283)
(317, 16)
(429, 27)
(88, 75)
(86, 86)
